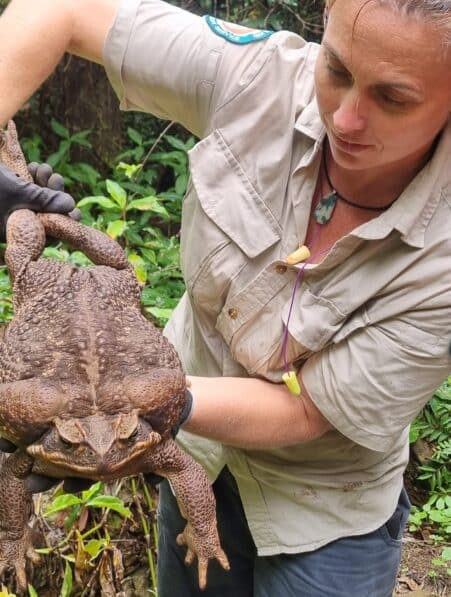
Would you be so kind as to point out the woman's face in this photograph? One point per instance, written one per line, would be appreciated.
(383, 85)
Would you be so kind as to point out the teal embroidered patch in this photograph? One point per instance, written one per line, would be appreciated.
(236, 34)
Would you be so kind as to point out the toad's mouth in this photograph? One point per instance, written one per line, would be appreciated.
(85, 461)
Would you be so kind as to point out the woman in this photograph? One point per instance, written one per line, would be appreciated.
(343, 149)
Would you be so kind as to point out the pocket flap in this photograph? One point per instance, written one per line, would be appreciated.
(228, 197)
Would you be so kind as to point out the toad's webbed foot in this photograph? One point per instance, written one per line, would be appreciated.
(14, 554)
(205, 548)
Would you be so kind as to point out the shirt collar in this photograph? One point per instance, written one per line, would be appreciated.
(412, 211)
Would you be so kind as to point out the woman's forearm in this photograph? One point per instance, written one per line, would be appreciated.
(34, 36)
(252, 413)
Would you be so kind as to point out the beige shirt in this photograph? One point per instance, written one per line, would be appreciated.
(370, 323)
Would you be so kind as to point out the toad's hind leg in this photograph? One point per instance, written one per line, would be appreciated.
(196, 502)
(15, 512)
(25, 238)
(96, 245)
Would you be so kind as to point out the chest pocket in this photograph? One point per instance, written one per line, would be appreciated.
(225, 223)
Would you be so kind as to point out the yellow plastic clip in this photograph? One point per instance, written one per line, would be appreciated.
(292, 382)
(299, 255)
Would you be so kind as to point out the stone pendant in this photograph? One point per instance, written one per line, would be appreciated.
(325, 208)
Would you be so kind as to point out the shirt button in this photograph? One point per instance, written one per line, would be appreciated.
(281, 269)
(233, 313)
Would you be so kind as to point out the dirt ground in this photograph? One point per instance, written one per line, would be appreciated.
(418, 576)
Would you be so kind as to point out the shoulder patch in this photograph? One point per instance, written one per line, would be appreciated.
(236, 34)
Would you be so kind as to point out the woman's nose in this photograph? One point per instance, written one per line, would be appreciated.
(349, 117)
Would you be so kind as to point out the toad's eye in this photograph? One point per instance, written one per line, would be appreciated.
(133, 436)
(67, 444)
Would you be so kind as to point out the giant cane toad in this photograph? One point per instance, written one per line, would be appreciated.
(88, 386)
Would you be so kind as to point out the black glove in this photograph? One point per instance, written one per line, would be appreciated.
(16, 193)
(44, 176)
(185, 414)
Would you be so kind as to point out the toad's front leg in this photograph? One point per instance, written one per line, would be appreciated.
(196, 502)
(16, 507)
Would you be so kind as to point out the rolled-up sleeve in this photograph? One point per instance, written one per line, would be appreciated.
(371, 385)
(166, 61)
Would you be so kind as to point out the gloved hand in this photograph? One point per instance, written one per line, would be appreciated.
(44, 176)
(16, 193)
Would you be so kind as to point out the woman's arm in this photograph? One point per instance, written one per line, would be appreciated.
(252, 413)
(35, 35)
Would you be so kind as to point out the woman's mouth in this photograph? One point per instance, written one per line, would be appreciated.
(347, 145)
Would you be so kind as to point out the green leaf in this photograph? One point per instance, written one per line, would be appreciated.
(56, 253)
(117, 193)
(66, 589)
(56, 159)
(149, 255)
(59, 129)
(80, 138)
(99, 200)
(95, 546)
(180, 183)
(85, 173)
(139, 267)
(446, 554)
(135, 259)
(135, 136)
(175, 142)
(141, 274)
(162, 315)
(130, 170)
(91, 492)
(111, 502)
(116, 228)
(414, 434)
(150, 203)
(43, 550)
(32, 591)
(62, 502)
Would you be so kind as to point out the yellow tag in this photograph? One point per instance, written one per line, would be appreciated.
(299, 255)
(292, 382)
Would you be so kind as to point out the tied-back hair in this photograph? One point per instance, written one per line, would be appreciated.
(437, 12)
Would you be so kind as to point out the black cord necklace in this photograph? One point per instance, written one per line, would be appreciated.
(326, 205)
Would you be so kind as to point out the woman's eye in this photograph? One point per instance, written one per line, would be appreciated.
(338, 73)
(394, 102)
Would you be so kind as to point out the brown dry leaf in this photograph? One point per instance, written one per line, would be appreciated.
(410, 582)
(118, 565)
(106, 578)
(83, 519)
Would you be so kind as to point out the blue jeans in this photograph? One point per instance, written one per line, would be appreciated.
(361, 566)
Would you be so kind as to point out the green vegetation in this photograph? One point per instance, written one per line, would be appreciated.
(434, 426)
